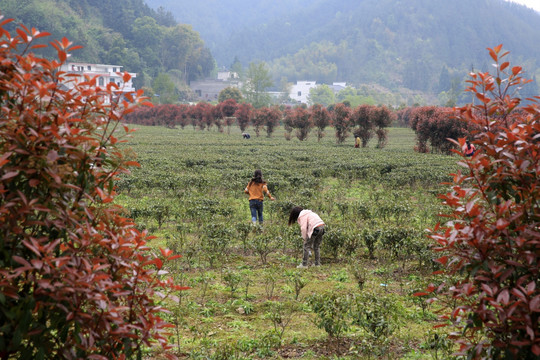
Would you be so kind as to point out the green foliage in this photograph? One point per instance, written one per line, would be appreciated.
(377, 316)
(258, 81)
(230, 93)
(164, 89)
(331, 311)
(321, 94)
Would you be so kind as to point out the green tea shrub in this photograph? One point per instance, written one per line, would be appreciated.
(334, 239)
(331, 312)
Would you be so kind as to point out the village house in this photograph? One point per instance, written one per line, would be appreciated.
(300, 91)
(209, 89)
(105, 73)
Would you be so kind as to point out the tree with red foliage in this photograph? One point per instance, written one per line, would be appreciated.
(166, 115)
(266, 117)
(272, 118)
(382, 117)
(243, 115)
(342, 121)
(76, 277)
(420, 121)
(301, 121)
(217, 116)
(436, 125)
(288, 119)
(228, 108)
(200, 113)
(362, 117)
(182, 115)
(321, 118)
(492, 239)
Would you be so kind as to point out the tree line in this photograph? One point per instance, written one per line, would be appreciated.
(434, 126)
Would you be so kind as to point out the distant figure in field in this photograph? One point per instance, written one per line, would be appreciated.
(246, 135)
(357, 142)
(469, 149)
(256, 189)
(312, 228)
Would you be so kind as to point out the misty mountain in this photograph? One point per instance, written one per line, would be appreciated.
(417, 44)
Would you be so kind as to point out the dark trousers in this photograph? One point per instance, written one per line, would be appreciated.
(314, 242)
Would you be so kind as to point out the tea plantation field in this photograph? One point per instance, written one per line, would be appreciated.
(247, 298)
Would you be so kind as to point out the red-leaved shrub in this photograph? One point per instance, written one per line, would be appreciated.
(492, 239)
(76, 277)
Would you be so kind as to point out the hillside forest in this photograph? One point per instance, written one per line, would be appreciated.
(421, 46)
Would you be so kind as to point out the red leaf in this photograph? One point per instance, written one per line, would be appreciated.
(420, 294)
(165, 252)
(502, 224)
(4, 158)
(443, 260)
(534, 304)
(22, 34)
(530, 288)
(503, 297)
(9, 175)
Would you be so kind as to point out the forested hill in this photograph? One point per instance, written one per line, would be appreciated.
(122, 32)
(417, 44)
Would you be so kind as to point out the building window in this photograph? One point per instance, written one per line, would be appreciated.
(113, 69)
(299, 93)
(198, 92)
(101, 81)
(89, 68)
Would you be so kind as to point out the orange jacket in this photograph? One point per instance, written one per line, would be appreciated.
(469, 150)
(256, 191)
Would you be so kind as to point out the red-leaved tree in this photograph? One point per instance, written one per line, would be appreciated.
(228, 108)
(492, 239)
(301, 121)
(76, 277)
(362, 117)
(244, 114)
(321, 118)
(342, 122)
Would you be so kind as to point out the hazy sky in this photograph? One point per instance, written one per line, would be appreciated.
(535, 4)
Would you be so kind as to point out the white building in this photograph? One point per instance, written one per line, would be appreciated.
(227, 75)
(300, 91)
(338, 86)
(106, 74)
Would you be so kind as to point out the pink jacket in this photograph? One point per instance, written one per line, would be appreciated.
(308, 221)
